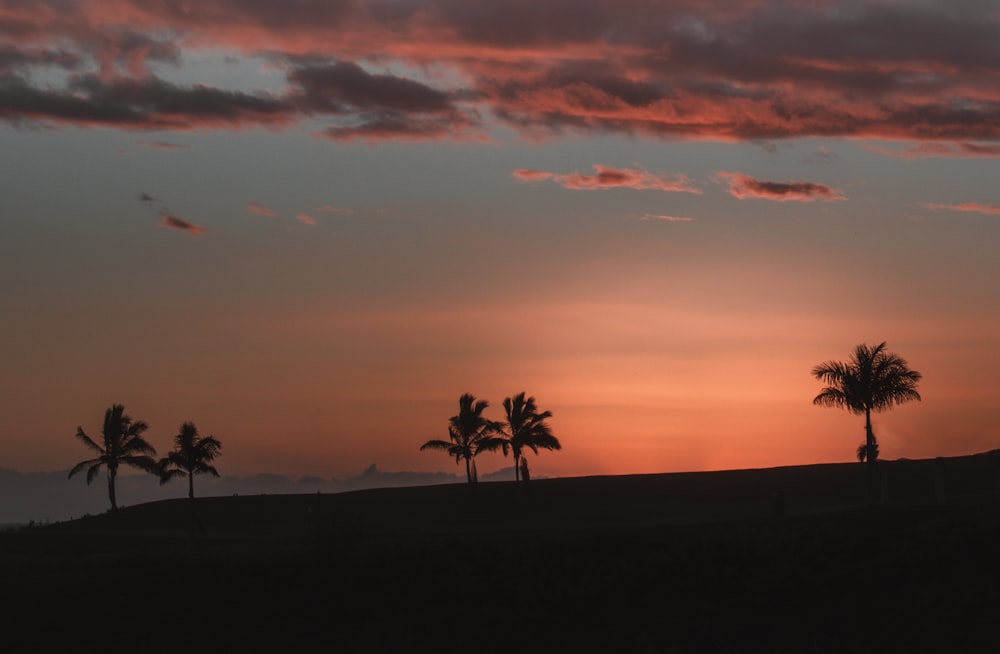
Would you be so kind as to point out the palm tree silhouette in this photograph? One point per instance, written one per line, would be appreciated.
(469, 433)
(526, 428)
(873, 379)
(123, 444)
(192, 455)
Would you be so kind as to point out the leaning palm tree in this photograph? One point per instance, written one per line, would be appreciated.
(871, 380)
(525, 428)
(192, 455)
(122, 444)
(468, 434)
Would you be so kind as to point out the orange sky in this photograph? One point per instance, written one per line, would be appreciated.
(311, 231)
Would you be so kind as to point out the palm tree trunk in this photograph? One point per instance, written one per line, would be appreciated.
(468, 471)
(111, 488)
(191, 485)
(517, 467)
(872, 458)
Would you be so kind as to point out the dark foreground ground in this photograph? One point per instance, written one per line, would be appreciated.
(653, 563)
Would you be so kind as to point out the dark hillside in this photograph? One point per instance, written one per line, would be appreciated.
(651, 563)
(557, 504)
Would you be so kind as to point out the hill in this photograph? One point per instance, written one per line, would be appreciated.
(694, 562)
(559, 504)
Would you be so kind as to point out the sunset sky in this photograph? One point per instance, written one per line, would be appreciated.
(310, 226)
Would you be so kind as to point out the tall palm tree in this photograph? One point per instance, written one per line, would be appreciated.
(192, 455)
(873, 379)
(525, 428)
(468, 434)
(123, 444)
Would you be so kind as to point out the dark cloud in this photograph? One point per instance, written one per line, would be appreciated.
(398, 126)
(744, 187)
(610, 178)
(148, 103)
(378, 106)
(330, 88)
(19, 59)
(747, 69)
(176, 222)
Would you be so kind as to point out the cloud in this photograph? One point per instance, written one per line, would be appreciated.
(377, 106)
(528, 175)
(259, 209)
(148, 103)
(666, 218)
(305, 219)
(176, 222)
(973, 207)
(13, 58)
(744, 70)
(935, 149)
(610, 178)
(746, 187)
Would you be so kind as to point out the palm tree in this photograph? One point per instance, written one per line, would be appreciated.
(469, 432)
(873, 379)
(122, 444)
(192, 455)
(525, 428)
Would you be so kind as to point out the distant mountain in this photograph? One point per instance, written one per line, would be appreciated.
(50, 497)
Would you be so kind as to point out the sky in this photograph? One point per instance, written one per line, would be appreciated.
(310, 226)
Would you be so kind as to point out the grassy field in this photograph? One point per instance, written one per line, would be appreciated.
(695, 562)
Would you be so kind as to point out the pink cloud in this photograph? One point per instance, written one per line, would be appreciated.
(528, 175)
(611, 178)
(746, 187)
(176, 222)
(741, 70)
(938, 149)
(305, 219)
(259, 209)
(973, 207)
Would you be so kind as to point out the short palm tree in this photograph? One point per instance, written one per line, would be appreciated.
(192, 455)
(873, 379)
(526, 427)
(122, 444)
(468, 432)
